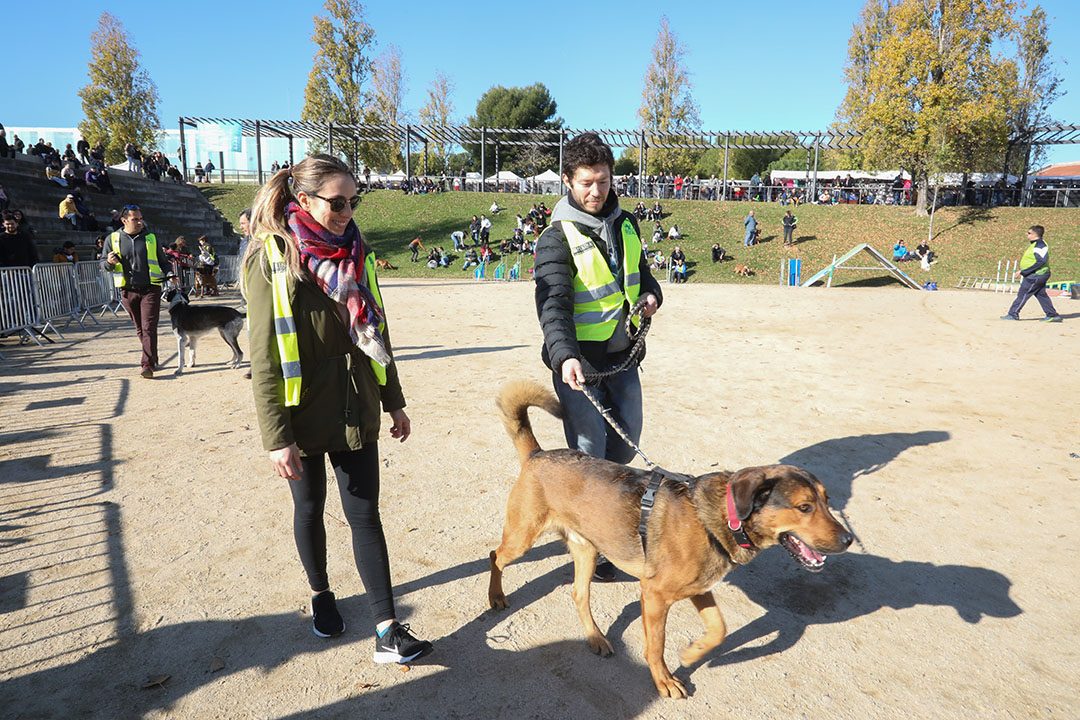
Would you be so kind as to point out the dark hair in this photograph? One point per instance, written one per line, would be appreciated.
(246, 212)
(10, 215)
(586, 149)
(1038, 230)
(68, 244)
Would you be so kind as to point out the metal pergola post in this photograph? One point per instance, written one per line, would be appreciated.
(817, 146)
(727, 139)
(641, 162)
(483, 159)
(221, 166)
(408, 152)
(330, 138)
(562, 141)
(425, 157)
(183, 151)
(258, 150)
(290, 151)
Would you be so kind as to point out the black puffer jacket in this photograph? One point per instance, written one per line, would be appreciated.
(554, 275)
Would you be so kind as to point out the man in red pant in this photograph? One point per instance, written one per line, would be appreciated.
(136, 260)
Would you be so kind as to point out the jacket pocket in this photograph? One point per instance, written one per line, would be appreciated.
(319, 420)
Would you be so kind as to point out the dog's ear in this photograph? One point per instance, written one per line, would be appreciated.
(750, 489)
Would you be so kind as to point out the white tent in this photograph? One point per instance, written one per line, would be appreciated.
(546, 176)
(504, 176)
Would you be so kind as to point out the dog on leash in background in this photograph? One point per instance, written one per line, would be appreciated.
(698, 529)
(190, 322)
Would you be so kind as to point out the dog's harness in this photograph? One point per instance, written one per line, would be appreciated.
(648, 499)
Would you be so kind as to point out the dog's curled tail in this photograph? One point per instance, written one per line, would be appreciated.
(514, 401)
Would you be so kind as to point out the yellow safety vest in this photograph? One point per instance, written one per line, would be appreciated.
(1030, 258)
(598, 299)
(285, 324)
(156, 276)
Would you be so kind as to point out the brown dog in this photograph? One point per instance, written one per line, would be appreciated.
(381, 264)
(595, 505)
(743, 270)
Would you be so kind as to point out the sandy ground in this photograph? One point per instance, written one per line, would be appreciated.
(143, 535)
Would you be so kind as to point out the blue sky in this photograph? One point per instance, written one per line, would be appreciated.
(755, 65)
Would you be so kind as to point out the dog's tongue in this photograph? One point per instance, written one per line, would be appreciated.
(810, 554)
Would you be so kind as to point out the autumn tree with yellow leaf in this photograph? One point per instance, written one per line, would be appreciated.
(928, 87)
(120, 102)
(667, 102)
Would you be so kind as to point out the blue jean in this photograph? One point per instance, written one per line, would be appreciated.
(587, 430)
(749, 237)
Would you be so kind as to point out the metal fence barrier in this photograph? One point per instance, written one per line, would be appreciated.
(96, 290)
(228, 269)
(56, 290)
(17, 312)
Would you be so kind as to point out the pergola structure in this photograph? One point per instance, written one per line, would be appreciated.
(644, 140)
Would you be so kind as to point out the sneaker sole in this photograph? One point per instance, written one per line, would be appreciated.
(323, 635)
(392, 657)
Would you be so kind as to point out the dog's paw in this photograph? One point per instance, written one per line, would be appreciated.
(670, 686)
(498, 601)
(600, 645)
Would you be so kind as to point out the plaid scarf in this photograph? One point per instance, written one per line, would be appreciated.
(337, 265)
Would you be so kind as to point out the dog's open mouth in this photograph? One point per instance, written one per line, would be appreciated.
(809, 558)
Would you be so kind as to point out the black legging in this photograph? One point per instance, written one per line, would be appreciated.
(357, 474)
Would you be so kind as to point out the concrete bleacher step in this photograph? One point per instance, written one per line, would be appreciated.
(170, 209)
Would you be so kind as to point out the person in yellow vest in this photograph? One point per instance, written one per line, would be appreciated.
(1035, 269)
(136, 261)
(321, 366)
(590, 270)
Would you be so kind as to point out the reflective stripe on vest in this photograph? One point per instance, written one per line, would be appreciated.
(1031, 256)
(373, 286)
(156, 276)
(598, 299)
(284, 324)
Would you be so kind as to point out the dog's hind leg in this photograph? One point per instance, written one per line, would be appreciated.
(228, 334)
(715, 629)
(526, 518)
(584, 554)
(179, 353)
(191, 350)
(654, 611)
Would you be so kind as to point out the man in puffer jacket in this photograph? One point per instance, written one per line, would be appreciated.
(590, 270)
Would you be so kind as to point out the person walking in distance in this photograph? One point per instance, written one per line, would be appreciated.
(1035, 269)
(322, 364)
(590, 271)
(136, 260)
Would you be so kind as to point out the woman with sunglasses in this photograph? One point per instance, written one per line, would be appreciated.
(321, 365)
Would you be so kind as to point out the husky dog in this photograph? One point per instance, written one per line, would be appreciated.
(191, 321)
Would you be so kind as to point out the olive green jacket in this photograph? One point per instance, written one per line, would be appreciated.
(339, 395)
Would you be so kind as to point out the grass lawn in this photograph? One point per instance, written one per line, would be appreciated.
(968, 241)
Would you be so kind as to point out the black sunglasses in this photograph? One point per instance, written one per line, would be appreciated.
(338, 204)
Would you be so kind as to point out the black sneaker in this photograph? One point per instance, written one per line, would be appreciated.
(605, 570)
(398, 645)
(326, 621)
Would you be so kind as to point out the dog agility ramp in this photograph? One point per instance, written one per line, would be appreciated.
(883, 262)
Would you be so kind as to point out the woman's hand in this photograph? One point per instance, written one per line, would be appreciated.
(286, 462)
(402, 427)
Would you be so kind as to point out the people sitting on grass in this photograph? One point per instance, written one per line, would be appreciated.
(678, 271)
(657, 234)
(433, 258)
(520, 222)
(444, 258)
(485, 252)
(718, 253)
(659, 262)
(656, 212)
(494, 209)
(677, 255)
(471, 259)
(900, 252)
(674, 233)
(924, 255)
(640, 212)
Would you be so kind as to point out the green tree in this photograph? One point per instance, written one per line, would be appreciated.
(627, 162)
(384, 108)
(529, 107)
(1040, 86)
(438, 110)
(667, 103)
(926, 88)
(335, 88)
(120, 103)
